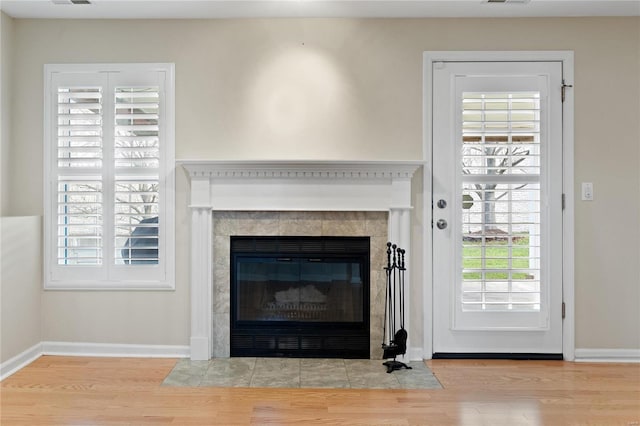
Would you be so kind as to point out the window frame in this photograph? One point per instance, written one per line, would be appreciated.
(108, 276)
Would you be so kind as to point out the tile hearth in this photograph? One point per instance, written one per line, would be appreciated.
(299, 373)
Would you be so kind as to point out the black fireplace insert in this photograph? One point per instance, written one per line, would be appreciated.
(300, 296)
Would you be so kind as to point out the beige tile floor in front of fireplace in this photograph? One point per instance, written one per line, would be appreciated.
(299, 373)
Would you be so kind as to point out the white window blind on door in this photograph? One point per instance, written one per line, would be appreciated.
(109, 176)
(501, 201)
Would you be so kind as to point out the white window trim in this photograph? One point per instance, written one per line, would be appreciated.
(167, 282)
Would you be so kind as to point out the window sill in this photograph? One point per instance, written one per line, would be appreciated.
(110, 286)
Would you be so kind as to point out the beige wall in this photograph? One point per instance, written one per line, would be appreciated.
(20, 284)
(136, 317)
(341, 89)
(6, 61)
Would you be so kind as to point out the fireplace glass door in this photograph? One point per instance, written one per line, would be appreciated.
(299, 289)
(300, 296)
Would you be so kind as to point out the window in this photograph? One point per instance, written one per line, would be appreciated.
(109, 176)
(501, 201)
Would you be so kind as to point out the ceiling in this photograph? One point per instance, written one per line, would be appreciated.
(184, 9)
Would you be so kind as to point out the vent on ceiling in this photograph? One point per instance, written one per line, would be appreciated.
(506, 1)
(70, 2)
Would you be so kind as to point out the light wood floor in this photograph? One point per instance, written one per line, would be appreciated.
(90, 391)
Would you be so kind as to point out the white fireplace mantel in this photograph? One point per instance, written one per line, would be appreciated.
(284, 186)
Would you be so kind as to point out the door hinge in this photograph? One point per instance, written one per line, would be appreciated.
(564, 311)
(564, 203)
(564, 89)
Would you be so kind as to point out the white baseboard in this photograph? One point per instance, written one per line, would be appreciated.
(114, 350)
(607, 355)
(20, 361)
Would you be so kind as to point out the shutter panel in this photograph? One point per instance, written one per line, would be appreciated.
(80, 220)
(137, 166)
(137, 128)
(79, 180)
(501, 201)
(79, 127)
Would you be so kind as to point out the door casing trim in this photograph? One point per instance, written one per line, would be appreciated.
(568, 250)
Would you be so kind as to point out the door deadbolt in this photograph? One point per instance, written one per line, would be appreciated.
(441, 223)
(441, 204)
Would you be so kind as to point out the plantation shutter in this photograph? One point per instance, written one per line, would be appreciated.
(109, 159)
(137, 165)
(501, 201)
(79, 161)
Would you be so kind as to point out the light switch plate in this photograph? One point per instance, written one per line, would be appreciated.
(587, 191)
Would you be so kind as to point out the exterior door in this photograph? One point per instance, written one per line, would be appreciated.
(497, 200)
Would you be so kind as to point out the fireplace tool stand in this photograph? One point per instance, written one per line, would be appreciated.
(394, 270)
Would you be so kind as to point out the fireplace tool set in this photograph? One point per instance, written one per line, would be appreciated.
(394, 304)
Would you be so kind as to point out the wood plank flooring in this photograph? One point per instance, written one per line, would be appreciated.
(127, 391)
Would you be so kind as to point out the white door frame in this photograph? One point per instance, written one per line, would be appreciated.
(566, 58)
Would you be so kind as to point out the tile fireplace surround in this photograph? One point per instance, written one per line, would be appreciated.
(287, 198)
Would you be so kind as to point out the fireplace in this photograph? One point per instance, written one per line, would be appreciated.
(299, 296)
(266, 187)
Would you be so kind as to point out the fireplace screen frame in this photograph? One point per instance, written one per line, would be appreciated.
(280, 337)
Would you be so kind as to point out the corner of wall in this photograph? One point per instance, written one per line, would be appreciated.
(6, 54)
(20, 286)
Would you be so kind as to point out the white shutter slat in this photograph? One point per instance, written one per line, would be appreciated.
(80, 128)
(137, 138)
(137, 116)
(66, 151)
(123, 130)
(142, 106)
(135, 93)
(80, 93)
(79, 141)
(79, 163)
(124, 150)
(78, 116)
(79, 108)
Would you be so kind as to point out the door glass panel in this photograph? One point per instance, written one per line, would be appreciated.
(501, 209)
